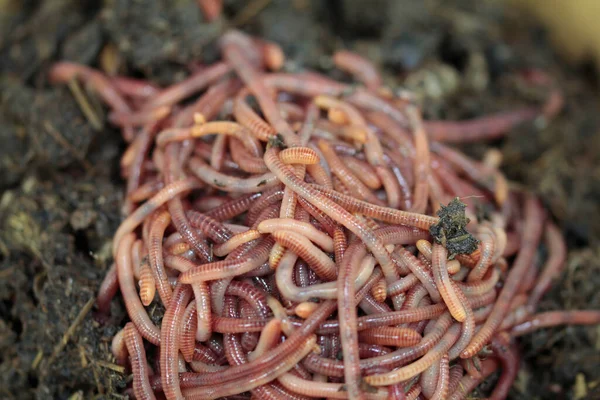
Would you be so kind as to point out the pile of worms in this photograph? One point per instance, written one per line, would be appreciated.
(291, 236)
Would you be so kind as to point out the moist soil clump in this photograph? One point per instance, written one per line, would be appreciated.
(60, 191)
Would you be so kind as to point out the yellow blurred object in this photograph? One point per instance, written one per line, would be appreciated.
(572, 24)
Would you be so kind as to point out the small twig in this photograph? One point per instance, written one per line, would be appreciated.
(4, 248)
(84, 105)
(99, 385)
(71, 330)
(82, 357)
(60, 139)
(38, 358)
(250, 11)
(114, 367)
(76, 396)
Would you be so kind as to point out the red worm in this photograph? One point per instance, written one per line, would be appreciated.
(234, 44)
(467, 383)
(553, 318)
(531, 237)
(509, 361)
(358, 66)
(484, 128)
(134, 306)
(443, 283)
(139, 366)
(557, 249)
(189, 86)
(170, 341)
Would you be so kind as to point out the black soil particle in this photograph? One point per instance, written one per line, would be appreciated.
(60, 191)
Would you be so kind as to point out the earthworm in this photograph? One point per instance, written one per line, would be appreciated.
(556, 261)
(391, 186)
(304, 309)
(363, 171)
(350, 180)
(358, 66)
(379, 291)
(384, 214)
(139, 366)
(235, 354)
(254, 379)
(170, 341)
(223, 269)
(269, 197)
(188, 86)
(232, 44)
(410, 370)
(131, 87)
(233, 207)
(322, 389)
(246, 116)
(327, 223)
(164, 195)
(246, 161)
(134, 306)
(456, 373)
(530, 239)
(63, 72)
(211, 9)
(155, 255)
(468, 325)
(467, 383)
(422, 160)
(487, 250)
(210, 227)
(302, 247)
(441, 390)
(484, 128)
(208, 105)
(108, 289)
(443, 283)
(429, 379)
(235, 241)
(402, 285)
(508, 356)
(299, 155)
(141, 146)
(118, 348)
(390, 336)
(553, 318)
(347, 317)
(145, 191)
(188, 331)
(217, 156)
(203, 311)
(273, 55)
(230, 183)
(269, 338)
(138, 118)
(482, 286)
(301, 228)
(419, 270)
(147, 285)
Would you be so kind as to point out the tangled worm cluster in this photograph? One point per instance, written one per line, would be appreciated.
(296, 231)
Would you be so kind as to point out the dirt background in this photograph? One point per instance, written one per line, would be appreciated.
(60, 191)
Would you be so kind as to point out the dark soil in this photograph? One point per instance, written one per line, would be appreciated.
(60, 192)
